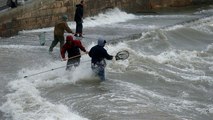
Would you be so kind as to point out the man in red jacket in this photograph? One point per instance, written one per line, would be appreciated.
(72, 47)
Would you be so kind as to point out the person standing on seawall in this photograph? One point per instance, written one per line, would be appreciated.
(72, 47)
(98, 55)
(12, 3)
(59, 29)
(79, 18)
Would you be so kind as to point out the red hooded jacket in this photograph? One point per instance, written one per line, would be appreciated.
(72, 47)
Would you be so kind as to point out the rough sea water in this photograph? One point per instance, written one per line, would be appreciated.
(168, 75)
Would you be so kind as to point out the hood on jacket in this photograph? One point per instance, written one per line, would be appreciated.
(64, 17)
(81, 4)
(69, 38)
(101, 42)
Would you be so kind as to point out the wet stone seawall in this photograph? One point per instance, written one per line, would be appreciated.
(44, 13)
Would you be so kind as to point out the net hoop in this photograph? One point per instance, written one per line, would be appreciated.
(122, 55)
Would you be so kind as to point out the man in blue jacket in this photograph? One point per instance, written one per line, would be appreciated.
(98, 55)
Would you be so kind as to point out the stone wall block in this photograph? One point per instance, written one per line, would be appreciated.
(3, 33)
(60, 10)
(8, 25)
(9, 32)
(40, 21)
(15, 24)
(69, 3)
(55, 18)
(43, 7)
(25, 15)
(71, 10)
(47, 20)
(57, 4)
(32, 21)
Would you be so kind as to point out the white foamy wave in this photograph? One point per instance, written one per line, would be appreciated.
(165, 102)
(211, 68)
(203, 24)
(174, 27)
(119, 65)
(200, 24)
(166, 16)
(25, 102)
(204, 11)
(133, 26)
(211, 109)
(175, 56)
(154, 34)
(25, 47)
(109, 17)
(181, 63)
(37, 30)
(210, 48)
(54, 73)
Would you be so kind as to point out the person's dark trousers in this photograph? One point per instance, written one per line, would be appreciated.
(79, 27)
(73, 62)
(55, 41)
(99, 71)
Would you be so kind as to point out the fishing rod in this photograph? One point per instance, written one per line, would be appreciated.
(54, 68)
(121, 55)
(51, 69)
(43, 72)
(75, 56)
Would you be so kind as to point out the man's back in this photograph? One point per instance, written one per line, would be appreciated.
(60, 28)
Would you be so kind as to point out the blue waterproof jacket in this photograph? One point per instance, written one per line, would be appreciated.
(98, 53)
